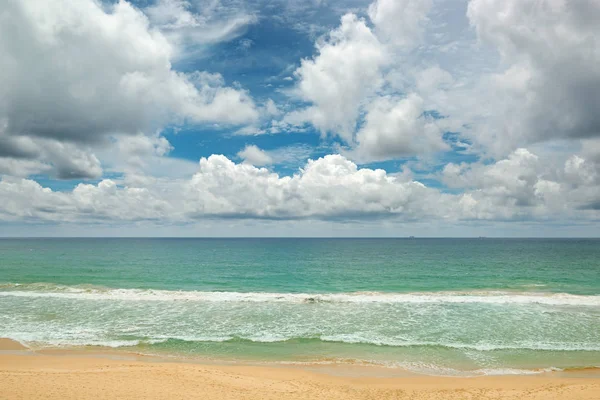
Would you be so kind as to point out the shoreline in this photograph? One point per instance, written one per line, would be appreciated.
(343, 367)
(71, 374)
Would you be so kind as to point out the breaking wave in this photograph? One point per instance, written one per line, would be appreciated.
(90, 292)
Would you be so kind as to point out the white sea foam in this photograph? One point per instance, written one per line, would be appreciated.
(491, 346)
(486, 297)
(68, 340)
(438, 370)
(514, 371)
(415, 367)
(428, 368)
(57, 342)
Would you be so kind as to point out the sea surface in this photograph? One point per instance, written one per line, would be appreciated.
(434, 306)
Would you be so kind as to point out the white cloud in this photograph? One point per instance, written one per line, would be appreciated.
(400, 22)
(548, 80)
(251, 154)
(582, 180)
(23, 156)
(76, 72)
(579, 171)
(70, 161)
(86, 88)
(394, 128)
(541, 85)
(105, 200)
(336, 81)
(22, 167)
(525, 185)
(432, 79)
(511, 180)
(270, 108)
(185, 27)
(287, 155)
(344, 83)
(143, 160)
(329, 188)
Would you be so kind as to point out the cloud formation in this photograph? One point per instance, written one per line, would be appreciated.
(400, 22)
(251, 154)
(185, 28)
(346, 85)
(455, 112)
(396, 127)
(346, 69)
(543, 86)
(546, 83)
(75, 73)
(329, 188)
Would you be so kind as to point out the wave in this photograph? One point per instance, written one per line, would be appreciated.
(188, 341)
(220, 348)
(433, 369)
(144, 347)
(91, 292)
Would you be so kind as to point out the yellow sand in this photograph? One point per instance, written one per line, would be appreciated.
(29, 375)
(7, 344)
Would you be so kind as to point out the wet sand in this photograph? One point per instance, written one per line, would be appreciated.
(68, 375)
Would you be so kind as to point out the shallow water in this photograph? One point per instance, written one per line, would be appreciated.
(442, 306)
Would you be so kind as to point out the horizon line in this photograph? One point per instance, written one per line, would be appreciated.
(299, 237)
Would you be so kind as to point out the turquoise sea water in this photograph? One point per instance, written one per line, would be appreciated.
(441, 306)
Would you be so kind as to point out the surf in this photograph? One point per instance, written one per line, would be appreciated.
(91, 292)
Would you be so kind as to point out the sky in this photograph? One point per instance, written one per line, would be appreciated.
(300, 118)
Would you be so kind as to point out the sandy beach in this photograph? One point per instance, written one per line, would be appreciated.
(77, 375)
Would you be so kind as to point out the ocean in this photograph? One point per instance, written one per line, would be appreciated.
(433, 306)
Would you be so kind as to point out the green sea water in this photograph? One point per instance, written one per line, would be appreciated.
(439, 306)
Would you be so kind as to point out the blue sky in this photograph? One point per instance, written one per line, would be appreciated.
(327, 118)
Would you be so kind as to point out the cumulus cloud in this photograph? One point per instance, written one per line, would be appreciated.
(78, 72)
(288, 155)
(397, 127)
(345, 85)
(251, 154)
(143, 160)
(336, 81)
(431, 80)
(329, 188)
(22, 168)
(87, 87)
(542, 86)
(27, 200)
(511, 180)
(525, 185)
(24, 156)
(71, 162)
(548, 83)
(582, 177)
(400, 22)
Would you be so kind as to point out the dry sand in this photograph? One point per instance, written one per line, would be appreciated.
(76, 375)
